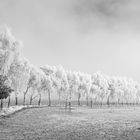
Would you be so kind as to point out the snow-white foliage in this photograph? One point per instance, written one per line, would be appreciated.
(19, 75)
(9, 49)
(49, 79)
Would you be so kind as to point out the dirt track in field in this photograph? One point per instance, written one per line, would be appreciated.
(80, 124)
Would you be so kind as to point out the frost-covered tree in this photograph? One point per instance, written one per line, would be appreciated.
(9, 49)
(78, 92)
(56, 80)
(72, 81)
(47, 87)
(99, 88)
(116, 90)
(83, 83)
(44, 85)
(19, 74)
(61, 83)
(33, 83)
(50, 81)
(26, 78)
(87, 85)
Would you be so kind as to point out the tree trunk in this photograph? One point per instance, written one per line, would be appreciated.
(49, 98)
(39, 101)
(66, 102)
(70, 102)
(9, 101)
(24, 98)
(59, 100)
(31, 99)
(1, 106)
(101, 104)
(69, 106)
(87, 100)
(118, 102)
(108, 102)
(16, 102)
(91, 103)
(79, 99)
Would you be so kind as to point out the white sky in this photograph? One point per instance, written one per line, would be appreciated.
(81, 35)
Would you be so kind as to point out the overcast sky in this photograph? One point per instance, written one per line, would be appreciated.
(81, 35)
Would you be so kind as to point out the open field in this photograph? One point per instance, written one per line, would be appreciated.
(53, 123)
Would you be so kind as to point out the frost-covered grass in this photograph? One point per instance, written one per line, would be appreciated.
(11, 110)
(53, 123)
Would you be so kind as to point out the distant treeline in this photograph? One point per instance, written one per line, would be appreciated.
(31, 82)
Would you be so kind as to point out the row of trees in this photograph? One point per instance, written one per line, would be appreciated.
(26, 79)
(97, 88)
